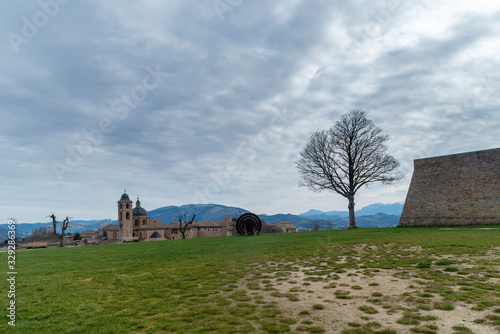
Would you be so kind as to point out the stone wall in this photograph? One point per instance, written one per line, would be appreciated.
(458, 189)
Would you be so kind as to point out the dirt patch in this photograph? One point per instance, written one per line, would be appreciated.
(379, 298)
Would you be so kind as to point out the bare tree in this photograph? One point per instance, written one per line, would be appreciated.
(348, 156)
(186, 223)
(237, 214)
(329, 225)
(41, 234)
(64, 226)
(315, 225)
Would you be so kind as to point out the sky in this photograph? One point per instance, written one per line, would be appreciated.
(212, 101)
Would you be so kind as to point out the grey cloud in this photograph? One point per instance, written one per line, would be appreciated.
(222, 83)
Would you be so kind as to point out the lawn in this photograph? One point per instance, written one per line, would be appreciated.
(266, 284)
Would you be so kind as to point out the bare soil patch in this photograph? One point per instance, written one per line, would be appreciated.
(397, 299)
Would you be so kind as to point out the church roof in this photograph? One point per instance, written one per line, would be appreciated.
(110, 227)
(207, 224)
(139, 211)
(196, 225)
(151, 227)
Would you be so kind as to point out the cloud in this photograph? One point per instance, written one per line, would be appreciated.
(238, 94)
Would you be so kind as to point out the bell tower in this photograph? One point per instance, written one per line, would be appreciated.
(125, 218)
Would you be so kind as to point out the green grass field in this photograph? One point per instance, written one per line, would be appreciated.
(224, 285)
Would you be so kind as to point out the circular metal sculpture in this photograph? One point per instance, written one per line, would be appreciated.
(248, 222)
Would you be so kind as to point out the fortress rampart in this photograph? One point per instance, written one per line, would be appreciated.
(458, 189)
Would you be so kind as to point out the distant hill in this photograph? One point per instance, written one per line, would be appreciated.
(375, 215)
(297, 220)
(372, 209)
(366, 217)
(388, 209)
(24, 230)
(335, 222)
(203, 212)
(322, 215)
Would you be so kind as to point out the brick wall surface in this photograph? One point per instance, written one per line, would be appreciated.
(459, 189)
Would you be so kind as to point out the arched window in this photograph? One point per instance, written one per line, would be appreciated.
(127, 216)
(121, 226)
(136, 222)
(120, 206)
(126, 206)
(144, 222)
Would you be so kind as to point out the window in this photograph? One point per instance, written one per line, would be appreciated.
(126, 206)
(127, 216)
(120, 206)
(144, 222)
(136, 222)
(120, 216)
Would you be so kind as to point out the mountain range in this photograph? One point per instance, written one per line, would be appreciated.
(375, 215)
(203, 212)
(372, 209)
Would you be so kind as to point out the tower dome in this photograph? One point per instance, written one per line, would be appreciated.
(139, 212)
(125, 198)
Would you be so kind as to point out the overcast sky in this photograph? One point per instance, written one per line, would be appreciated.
(211, 101)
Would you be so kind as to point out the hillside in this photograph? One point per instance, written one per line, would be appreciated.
(394, 209)
(214, 212)
(204, 212)
(335, 222)
(24, 230)
(375, 215)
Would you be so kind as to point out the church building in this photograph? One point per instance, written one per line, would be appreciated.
(134, 224)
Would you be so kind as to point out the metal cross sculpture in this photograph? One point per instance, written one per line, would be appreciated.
(248, 222)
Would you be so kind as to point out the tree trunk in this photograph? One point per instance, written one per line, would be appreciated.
(352, 218)
(62, 240)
